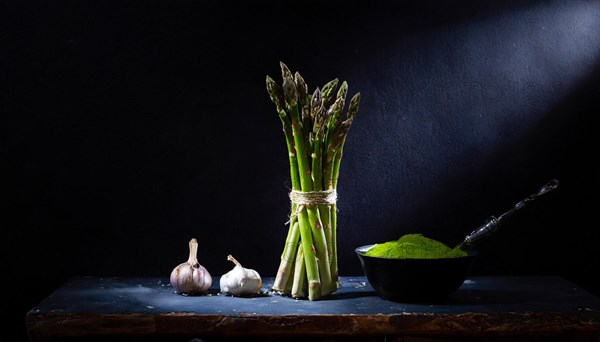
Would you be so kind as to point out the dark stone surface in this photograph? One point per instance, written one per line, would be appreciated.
(482, 306)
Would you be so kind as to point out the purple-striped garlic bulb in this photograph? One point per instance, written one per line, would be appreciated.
(190, 278)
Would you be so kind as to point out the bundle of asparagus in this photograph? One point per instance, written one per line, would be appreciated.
(315, 132)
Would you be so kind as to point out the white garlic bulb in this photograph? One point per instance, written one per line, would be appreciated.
(191, 278)
(240, 281)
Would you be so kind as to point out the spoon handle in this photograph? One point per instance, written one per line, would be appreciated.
(493, 223)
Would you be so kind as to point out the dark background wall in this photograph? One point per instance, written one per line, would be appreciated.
(129, 127)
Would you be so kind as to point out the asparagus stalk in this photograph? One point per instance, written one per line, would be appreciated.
(287, 259)
(299, 284)
(344, 127)
(306, 214)
(320, 120)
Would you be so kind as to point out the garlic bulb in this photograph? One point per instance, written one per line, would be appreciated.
(191, 278)
(240, 281)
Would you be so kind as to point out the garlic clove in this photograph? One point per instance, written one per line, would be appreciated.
(240, 281)
(190, 278)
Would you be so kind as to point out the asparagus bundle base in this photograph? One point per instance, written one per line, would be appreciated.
(315, 127)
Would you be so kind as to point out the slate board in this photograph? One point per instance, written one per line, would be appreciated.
(482, 306)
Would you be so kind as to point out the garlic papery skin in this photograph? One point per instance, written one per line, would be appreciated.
(190, 278)
(240, 281)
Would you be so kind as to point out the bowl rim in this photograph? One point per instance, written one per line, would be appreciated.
(361, 250)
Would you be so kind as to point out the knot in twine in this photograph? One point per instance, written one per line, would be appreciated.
(303, 198)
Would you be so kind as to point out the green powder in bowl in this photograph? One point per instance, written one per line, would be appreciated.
(414, 246)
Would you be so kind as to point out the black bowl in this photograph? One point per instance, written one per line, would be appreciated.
(414, 280)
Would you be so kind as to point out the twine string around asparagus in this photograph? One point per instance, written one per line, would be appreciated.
(304, 198)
